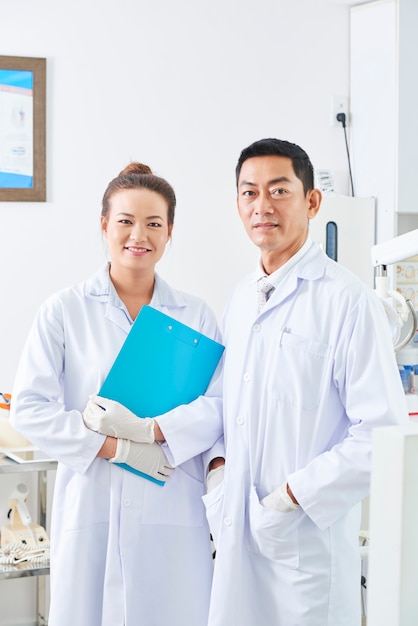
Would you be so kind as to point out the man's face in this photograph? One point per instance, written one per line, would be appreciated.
(274, 208)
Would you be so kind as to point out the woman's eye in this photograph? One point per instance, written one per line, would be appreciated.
(155, 224)
(125, 222)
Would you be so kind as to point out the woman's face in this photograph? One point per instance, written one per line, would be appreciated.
(136, 228)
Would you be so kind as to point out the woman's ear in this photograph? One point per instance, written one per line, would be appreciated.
(103, 224)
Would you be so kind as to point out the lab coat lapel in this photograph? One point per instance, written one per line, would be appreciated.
(118, 316)
(282, 292)
(100, 288)
(310, 267)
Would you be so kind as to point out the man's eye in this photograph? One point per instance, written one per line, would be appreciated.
(248, 192)
(278, 192)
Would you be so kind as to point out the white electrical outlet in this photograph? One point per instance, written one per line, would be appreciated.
(339, 105)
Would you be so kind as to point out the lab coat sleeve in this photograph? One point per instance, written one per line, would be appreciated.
(37, 408)
(370, 389)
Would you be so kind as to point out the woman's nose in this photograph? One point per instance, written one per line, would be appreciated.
(137, 233)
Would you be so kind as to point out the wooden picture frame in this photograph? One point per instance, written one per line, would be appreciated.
(22, 129)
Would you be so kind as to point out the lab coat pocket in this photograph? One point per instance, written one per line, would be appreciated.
(302, 362)
(177, 503)
(274, 534)
(213, 502)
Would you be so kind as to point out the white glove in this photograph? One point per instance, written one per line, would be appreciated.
(215, 477)
(148, 458)
(112, 418)
(279, 500)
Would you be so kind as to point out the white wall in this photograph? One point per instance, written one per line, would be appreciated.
(182, 86)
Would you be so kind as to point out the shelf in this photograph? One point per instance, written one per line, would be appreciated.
(7, 466)
(22, 570)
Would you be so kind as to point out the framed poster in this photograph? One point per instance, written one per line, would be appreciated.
(22, 129)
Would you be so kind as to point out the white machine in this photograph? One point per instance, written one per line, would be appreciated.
(384, 254)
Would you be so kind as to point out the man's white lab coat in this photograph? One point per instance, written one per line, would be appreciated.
(305, 382)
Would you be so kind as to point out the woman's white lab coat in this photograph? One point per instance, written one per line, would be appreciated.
(125, 552)
(305, 382)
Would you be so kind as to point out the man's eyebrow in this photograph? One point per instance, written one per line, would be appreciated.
(274, 181)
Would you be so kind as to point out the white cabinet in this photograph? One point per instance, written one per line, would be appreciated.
(383, 106)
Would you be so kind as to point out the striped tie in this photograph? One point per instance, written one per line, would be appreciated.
(264, 290)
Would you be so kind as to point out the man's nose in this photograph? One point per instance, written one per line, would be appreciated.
(263, 204)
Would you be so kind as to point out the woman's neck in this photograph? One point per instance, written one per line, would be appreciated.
(134, 288)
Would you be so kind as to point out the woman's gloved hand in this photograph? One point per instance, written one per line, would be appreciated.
(113, 419)
(148, 458)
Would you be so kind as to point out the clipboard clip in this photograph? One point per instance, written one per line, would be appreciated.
(185, 334)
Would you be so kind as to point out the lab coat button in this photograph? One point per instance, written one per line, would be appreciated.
(246, 377)
(127, 502)
(256, 328)
(227, 521)
(240, 420)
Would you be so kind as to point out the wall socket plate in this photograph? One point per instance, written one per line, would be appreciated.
(340, 104)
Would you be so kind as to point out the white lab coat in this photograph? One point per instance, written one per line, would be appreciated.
(305, 382)
(125, 552)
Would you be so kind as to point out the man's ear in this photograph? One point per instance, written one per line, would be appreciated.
(315, 199)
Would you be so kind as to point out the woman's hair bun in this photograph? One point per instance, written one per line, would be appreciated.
(135, 168)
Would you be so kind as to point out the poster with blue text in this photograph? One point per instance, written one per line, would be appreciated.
(16, 129)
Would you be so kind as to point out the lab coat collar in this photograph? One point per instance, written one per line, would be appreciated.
(310, 266)
(277, 276)
(164, 295)
(101, 287)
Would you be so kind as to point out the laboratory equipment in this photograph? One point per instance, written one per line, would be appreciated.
(384, 254)
(21, 529)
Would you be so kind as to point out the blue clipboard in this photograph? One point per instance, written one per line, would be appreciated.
(162, 364)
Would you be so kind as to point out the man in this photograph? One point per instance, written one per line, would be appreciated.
(307, 377)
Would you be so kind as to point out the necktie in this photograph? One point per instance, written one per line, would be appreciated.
(264, 290)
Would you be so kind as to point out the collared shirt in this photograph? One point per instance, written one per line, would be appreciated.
(277, 276)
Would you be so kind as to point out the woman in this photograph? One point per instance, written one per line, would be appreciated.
(124, 551)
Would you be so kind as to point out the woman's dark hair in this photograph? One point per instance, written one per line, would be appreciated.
(302, 165)
(140, 176)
